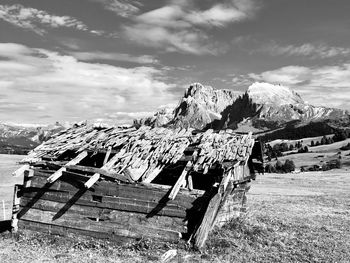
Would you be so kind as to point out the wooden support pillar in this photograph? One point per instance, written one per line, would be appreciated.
(74, 161)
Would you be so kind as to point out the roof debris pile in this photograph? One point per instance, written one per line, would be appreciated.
(146, 149)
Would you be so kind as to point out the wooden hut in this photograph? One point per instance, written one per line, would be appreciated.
(118, 184)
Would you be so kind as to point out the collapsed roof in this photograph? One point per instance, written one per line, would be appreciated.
(139, 152)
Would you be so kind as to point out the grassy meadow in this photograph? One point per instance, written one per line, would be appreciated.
(8, 164)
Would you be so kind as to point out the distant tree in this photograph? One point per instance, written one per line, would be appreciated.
(288, 166)
(337, 164)
(291, 147)
(340, 136)
(325, 167)
(323, 140)
(279, 166)
(269, 168)
(312, 143)
(284, 147)
(317, 143)
(306, 149)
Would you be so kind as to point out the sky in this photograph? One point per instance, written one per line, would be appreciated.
(117, 60)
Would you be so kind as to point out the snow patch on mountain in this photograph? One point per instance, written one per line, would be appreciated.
(266, 93)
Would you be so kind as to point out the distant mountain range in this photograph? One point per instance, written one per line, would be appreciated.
(19, 139)
(269, 111)
(263, 109)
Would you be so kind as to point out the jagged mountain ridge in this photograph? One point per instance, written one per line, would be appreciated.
(199, 106)
(20, 139)
(261, 108)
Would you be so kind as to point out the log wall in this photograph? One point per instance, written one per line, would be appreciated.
(120, 211)
(107, 210)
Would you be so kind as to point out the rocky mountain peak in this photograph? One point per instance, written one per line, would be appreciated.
(269, 94)
(261, 108)
(211, 99)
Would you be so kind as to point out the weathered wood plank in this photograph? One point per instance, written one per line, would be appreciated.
(114, 203)
(129, 230)
(92, 180)
(108, 215)
(151, 176)
(180, 181)
(205, 227)
(58, 173)
(141, 192)
(69, 231)
(102, 172)
(20, 171)
(108, 153)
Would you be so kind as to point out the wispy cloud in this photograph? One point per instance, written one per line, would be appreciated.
(39, 20)
(98, 55)
(124, 8)
(313, 51)
(46, 85)
(181, 27)
(325, 85)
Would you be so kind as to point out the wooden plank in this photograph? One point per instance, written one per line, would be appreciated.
(108, 153)
(205, 227)
(180, 181)
(150, 177)
(106, 166)
(146, 192)
(129, 230)
(58, 173)
(190, 182)
(105, 174)
(92, 180)
(20, 171)
(108, 215)
(69, 231)
(114, 203)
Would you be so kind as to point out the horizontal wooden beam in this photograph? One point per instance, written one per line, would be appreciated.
(58, 173)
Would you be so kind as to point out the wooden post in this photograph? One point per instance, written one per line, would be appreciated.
(15, 210)
(74, 161)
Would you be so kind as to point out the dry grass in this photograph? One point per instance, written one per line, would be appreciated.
(8, 164)
(292, 218)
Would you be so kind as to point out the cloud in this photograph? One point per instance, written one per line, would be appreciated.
(44, 85)
(34, 19)
(325, 85)
(311, 50)
(180, 27)
(122, 8)
(97, 55)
